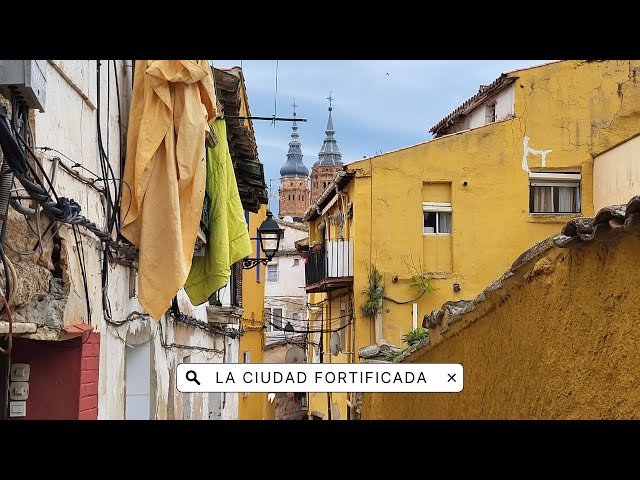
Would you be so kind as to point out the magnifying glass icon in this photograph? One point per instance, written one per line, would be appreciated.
(192, 377)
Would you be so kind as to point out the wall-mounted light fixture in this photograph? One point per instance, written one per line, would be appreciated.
(456, 287)
(269, 236)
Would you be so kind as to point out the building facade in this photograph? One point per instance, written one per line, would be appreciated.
(423, 225)
(328, 163)
(81, 341)
(533, 350)
(285, 300)
(294, 179)
(616, 174)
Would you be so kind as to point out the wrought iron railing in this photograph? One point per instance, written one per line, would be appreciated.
(334, 259)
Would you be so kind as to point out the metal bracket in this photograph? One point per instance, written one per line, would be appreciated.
(249, 263)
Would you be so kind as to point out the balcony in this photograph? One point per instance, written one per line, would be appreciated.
(329, 268)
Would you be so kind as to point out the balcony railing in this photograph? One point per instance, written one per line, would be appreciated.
(331, 267)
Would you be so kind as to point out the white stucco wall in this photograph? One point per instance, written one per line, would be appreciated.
(616, 174)
(504, 108)
(288, 292)
(69, 125)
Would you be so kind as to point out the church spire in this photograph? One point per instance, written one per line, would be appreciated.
(329, 153)
(294, 167)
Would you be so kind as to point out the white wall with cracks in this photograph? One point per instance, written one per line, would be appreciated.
(68, 128)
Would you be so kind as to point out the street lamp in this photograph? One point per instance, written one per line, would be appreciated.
(269, 235)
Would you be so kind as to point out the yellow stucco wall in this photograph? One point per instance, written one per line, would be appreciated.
(571, 108)
(318, 403)
(616, 174)
(253, 406)
(559, 340)
(575, 109)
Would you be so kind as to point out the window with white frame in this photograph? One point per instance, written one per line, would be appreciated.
(272, 273)
(436, 218)
(273, 319)
(554, 192)
(490, 113)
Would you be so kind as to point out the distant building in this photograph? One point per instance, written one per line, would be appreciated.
(439, 221)
(284, 294)
(329, 161)
(294, 179)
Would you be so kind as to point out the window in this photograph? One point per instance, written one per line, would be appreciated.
(273, 319)
(315, 184)
(295, 316)
(230, 294)
(296, 262)
(436, 218)
(246, 357)
(554, 192)
(490, 113)
(272, 273)
(138, 382)
(325, 184)
(276, 320)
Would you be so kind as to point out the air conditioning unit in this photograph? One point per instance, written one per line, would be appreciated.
(27, 78)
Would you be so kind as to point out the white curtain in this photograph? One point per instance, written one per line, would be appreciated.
(569, 199)
(542, 199)
(444, 222)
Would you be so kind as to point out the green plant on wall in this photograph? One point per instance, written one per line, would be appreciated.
(414, 336)
(374, 293)
(393, 354)
(419, 279)
(410, 338)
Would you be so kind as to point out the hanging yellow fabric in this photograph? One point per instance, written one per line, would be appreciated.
(173, 102)
(228, 239)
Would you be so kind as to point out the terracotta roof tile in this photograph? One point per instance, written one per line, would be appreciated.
(624, 218)
(483, 92)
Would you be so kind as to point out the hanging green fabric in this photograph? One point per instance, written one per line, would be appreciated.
(228, 239)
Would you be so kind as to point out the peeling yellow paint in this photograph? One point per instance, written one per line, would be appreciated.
(564, 113)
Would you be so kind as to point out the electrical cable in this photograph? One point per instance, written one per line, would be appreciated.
(7, 281)
(5, 305)
(63, 209)
(122, 152)
(14, 274)
(81, 260)
(321, 330)
(397, 302)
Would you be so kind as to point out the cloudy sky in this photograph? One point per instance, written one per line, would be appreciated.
(378, 105)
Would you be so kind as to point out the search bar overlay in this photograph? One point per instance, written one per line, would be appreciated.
(319, 377)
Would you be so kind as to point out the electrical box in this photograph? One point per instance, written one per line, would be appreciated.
(18, 409)
(19, 390)
(29, 79)
(20, 372)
